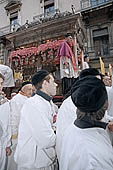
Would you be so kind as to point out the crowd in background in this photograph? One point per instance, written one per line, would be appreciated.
(81, 137)
(37, 135)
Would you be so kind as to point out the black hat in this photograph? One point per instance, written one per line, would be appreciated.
(89, 72)
(68, 35)
(85, 57)
(39, 76)
(25, 83)
(89, 94)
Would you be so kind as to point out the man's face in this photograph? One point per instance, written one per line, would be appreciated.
(87, 59)
(51, 86)
(28, 90)
(107, 81)
(70, 40)
(1, 84)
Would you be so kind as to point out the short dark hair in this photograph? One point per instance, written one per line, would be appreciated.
(39, 76)
(85, 57)
(68, 35)
(39, 85)
(96, 116)
(1, 76)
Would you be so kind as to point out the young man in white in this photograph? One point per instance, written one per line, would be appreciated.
(16, 104)
(36, 139)
(85, 63)
(86, 142)
(67, 112)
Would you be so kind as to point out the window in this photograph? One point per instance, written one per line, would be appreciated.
(49, 7)
(12, 9)
(101, 42)
(95, 3)
(13, 21)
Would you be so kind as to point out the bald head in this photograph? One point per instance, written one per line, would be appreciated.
(27, 89)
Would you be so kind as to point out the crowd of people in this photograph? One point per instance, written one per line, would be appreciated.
(80, 139)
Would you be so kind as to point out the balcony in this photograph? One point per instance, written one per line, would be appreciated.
(55, 14)
(46, 14)
(9, 29)
(104, 51)
(89, 4)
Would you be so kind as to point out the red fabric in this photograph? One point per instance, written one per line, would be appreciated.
(73, 59)
(65, 50)
(28, 52)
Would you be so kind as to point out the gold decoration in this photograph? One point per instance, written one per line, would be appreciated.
(102, 66)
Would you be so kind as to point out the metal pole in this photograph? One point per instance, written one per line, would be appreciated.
(75, 50)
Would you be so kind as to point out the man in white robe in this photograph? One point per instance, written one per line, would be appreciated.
(36, 138)
(67, 112)
(5, 127)
(86, 142)
(110, 97)
(66, 115)
(85, 63)
(16, 104)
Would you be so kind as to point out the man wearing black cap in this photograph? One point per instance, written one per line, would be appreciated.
(16, 104)
(67, 111)
(36, 140)
(86, 144)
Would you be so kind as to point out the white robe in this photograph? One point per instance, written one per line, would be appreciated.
(5, 139)
(66, 115)
(16, 104)
(1, 130)
(8, 74)
(86, 149)
(47, 168)
(36, 138)
(66, 72)
(110, 100)
(85, 65)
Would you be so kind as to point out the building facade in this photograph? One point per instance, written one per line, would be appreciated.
(97, 16)
(16, 13)
(32, 31)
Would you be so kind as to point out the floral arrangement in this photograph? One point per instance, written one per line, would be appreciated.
(29, 56)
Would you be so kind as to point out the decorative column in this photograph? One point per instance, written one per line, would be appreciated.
(76, 56)
(19, 18)
(56, 4)
(1, 52)
(41, 6)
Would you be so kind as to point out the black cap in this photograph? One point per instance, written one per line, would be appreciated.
(89, 72)
(25, 83)
(68, 35)
(39, 76)
(89, 94)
